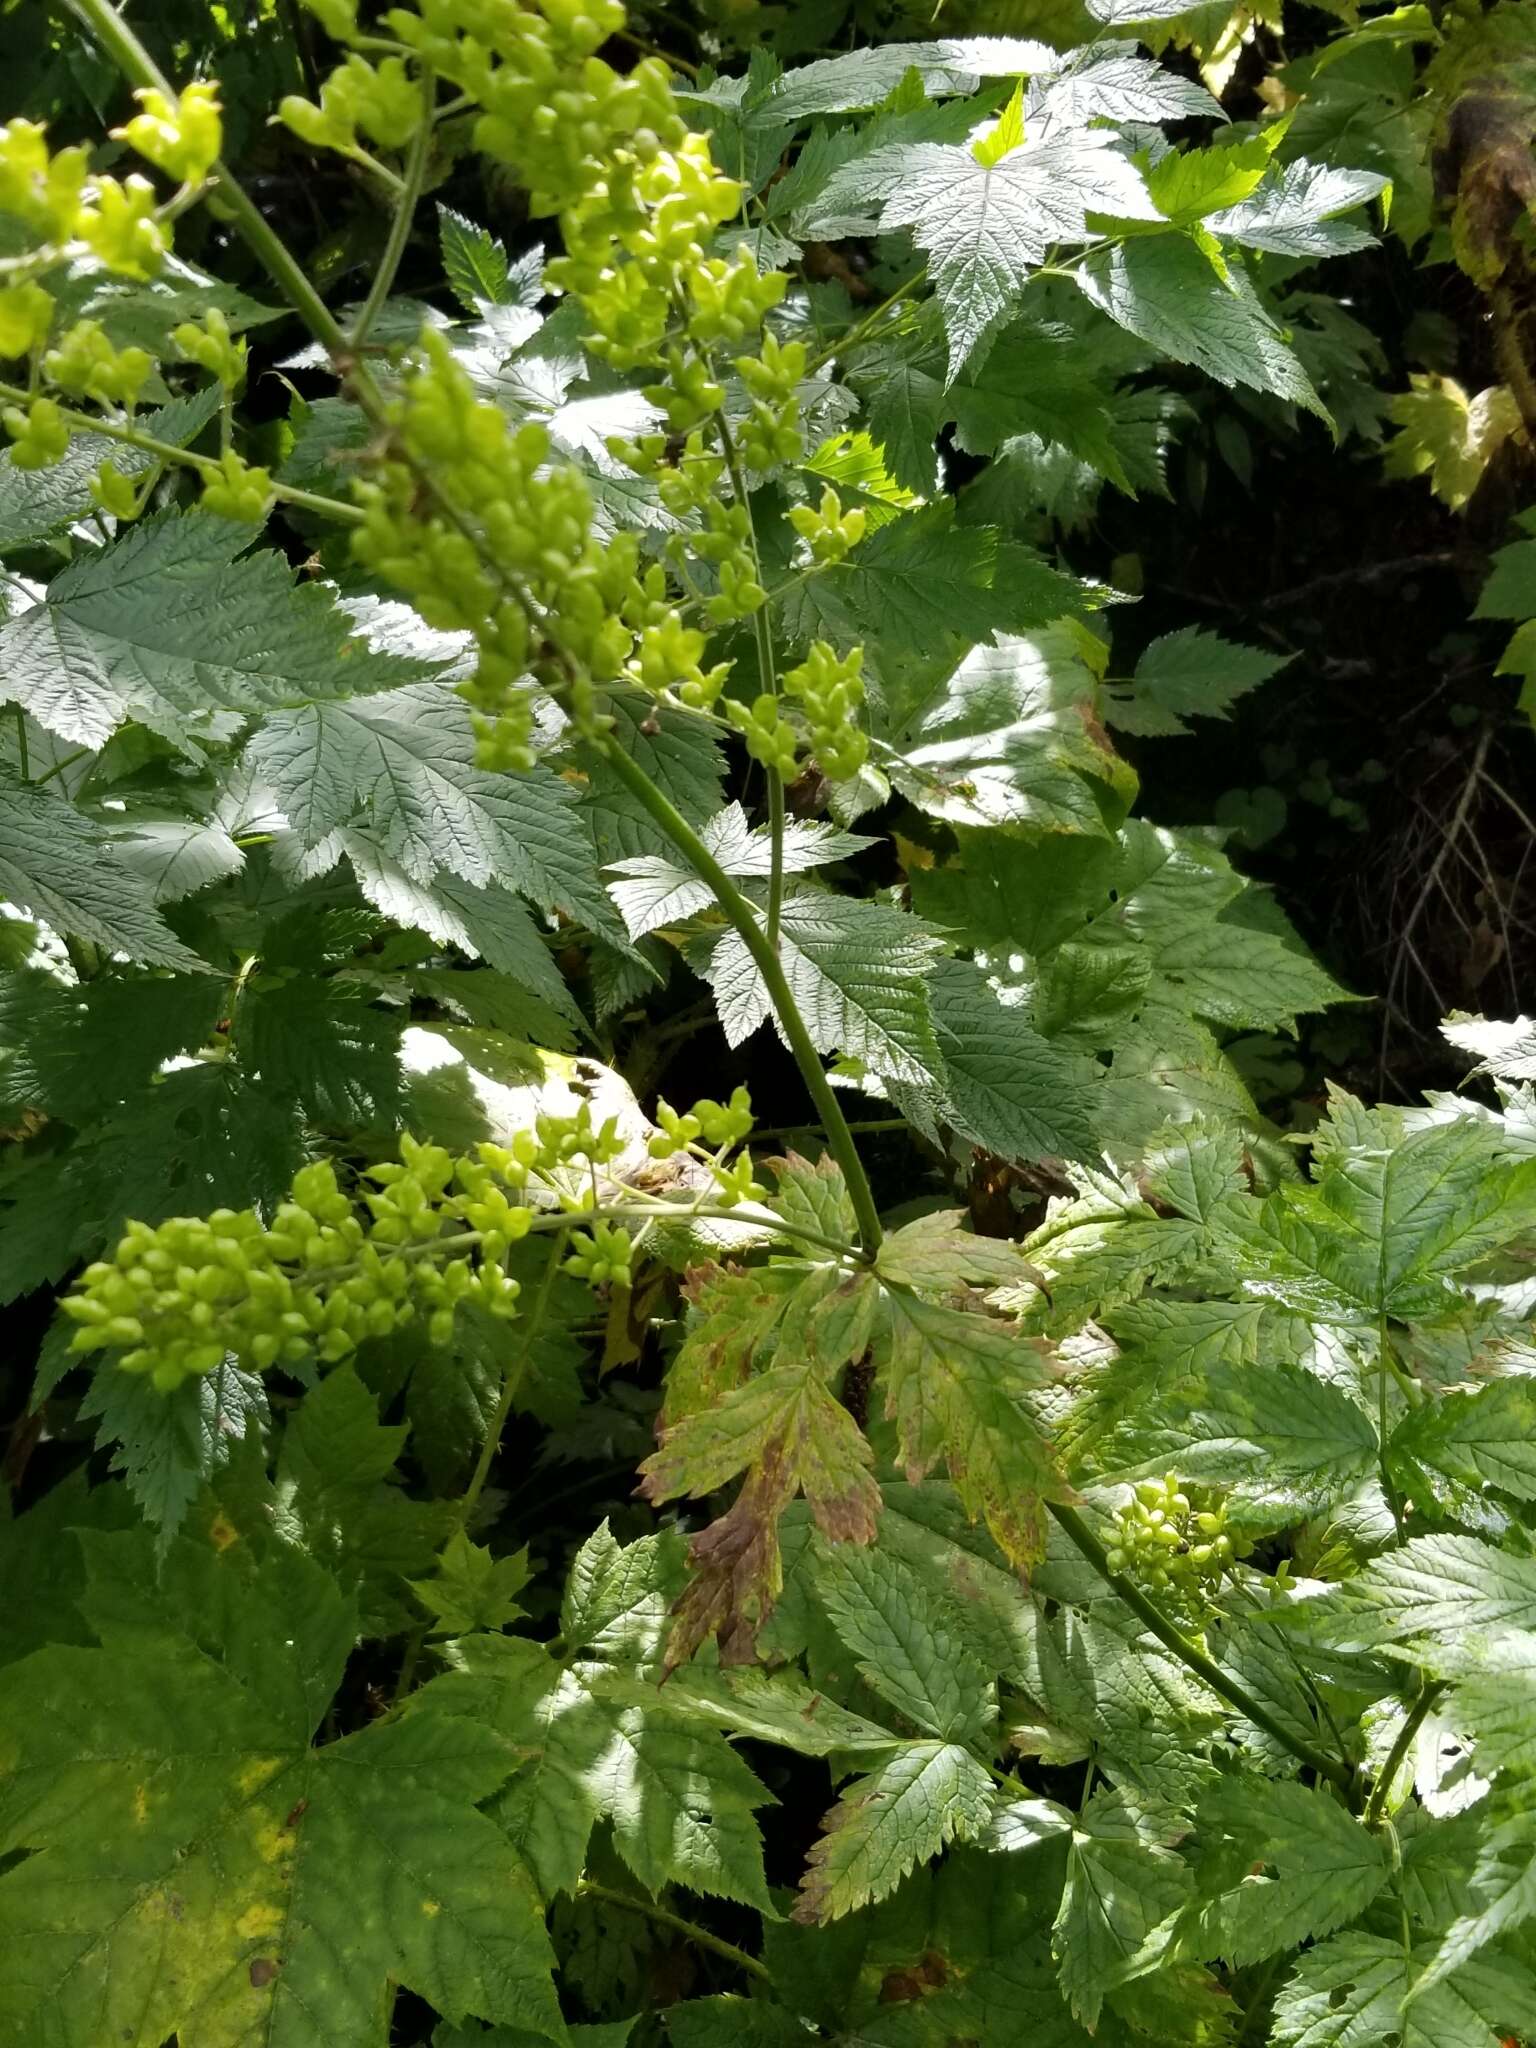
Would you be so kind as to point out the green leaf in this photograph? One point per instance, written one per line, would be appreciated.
(985, 229)
(1284, 1438)
(168, 1446)
(76, 1051)
(1503, 1896)
(1280, 1864)
(1005, 1087)
(471, 1589)
(880, 1609)
(956, 1386)
(1186, 185)
(1480, 1437)
(1292, 212)
(197, 1868)
(1355, 1989)
(679, 1799)
(1163, 289)
(1187, 674)
(775, 1707)
(474, 263)
(1494, 1699)
(337, 1497)
(173, 626)
(66, 869)
(1006, 133)
(326, 1046)
(1123, 1895)
(1011, 738)
(814, 1197)
(887, 1823)
(657, 890)
(1432, 1586)
(1510, 592)
(1384, 1230)
(857, 972)
(863, 78)
(907, 408)
(405, 763)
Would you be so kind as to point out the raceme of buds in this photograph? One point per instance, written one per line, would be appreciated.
(183, 140)
(422, 1234)
(830, 688)
(86, 365)
(1179, 1553)
(233, 489)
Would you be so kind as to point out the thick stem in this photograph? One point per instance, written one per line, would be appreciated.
(1413, 1721)
(688, 1929)
(1079, 1533)
(744, 920)
(405, 215)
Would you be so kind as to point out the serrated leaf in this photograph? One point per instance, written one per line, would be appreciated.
(1508, 1050)
(863, 78)
(404, 764)
(813, 1196)
(955, 1385)
(1480, 1437)
(1431, 1586)
(168, 1446)
(985, 229)
(1163, 289)
(474, 262)
(656, 889)
(1010, 739)
(1187, 674)
(1280, 1864)
(881, 1610)
(1187, 184)
(1510, 591)
(1292, 212)
(187, 1838)
(76, 1051)
(1355, 1989)
(1110, 81)
(172, 625)
(324, 1044)
(471, 1589)
(679, 1799)
(37, 503)
(65, 869)
(857, 971)
(1123, 1894)
(885, 1824)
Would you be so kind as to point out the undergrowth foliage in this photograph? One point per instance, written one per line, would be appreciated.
(1143, 1590)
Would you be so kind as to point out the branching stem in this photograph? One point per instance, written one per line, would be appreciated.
(1153, 1618)
(1413, 1721)
(688, 1929)
(404, 217)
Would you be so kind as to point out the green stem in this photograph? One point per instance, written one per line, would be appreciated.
(511, 1380)
(1383, 1368)
(762, 629)
(1078, 1532)
(68, 761)
(688, 1929)
(167, 451)
(855, 335)
(744, 920)
(404, 218)
(1413, 1721)
(23, 758)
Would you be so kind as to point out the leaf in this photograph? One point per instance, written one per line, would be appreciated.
(1503, 1896)
(474, 263)
(1123, 1893)
(337, 1497)
(1383, 1230)
(1280, 1864)
(471, 1589)
(656, 890)
(326, 1046)
(77, 1051)
(405, 764)
(881, 1611)
(923, 582)
(188, 1846)
(814, 1197)
(1187, 674)
(1284, 1438)
(788, 1433)
(1448, 434)
(1508, 1050)
(1354, 1990)
(1482, 1437)
(863, 78)
(1187, 184)
(885, 1824)
(856, 970)
(65, 869)
(1109, 81)
(985, 229)
(1431, 1586)
(1510, 591)
(679, 1799)
(173, 626)
(956, 1387)
(1292, 212)
(1163, 289)
(1005, 1088)
(1010, 739)
(906, 410)
(168, 1446)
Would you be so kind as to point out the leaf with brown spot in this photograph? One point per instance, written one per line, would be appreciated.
(887, 1823)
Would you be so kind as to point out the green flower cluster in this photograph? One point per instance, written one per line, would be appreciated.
(422, 1234)
(1179, 1553)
